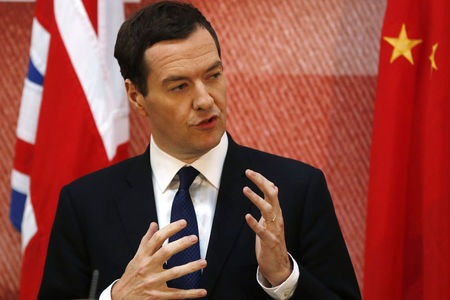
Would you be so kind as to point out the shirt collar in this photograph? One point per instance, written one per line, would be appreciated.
(210, 165)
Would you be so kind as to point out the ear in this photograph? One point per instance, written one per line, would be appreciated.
(135, 97)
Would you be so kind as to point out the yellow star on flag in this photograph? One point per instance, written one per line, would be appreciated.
(431, 57)
(402, 45)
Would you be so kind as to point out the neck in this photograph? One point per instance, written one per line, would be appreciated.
(187, 158)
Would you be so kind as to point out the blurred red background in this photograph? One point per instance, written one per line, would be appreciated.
(301, 83)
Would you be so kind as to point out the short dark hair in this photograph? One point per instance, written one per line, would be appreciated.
(160, 21)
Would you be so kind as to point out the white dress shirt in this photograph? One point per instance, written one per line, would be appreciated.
(204, 191)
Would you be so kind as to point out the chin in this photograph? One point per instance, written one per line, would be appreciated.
(210, 141)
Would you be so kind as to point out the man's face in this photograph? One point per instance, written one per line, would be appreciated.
(186, 100)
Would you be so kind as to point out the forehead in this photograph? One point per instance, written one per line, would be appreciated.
(190, 55)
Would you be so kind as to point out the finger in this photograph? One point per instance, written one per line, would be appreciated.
(150, 231)
(269, 189)
(182, 270)
(161, 235)
(171, 293)
(263, 205)
(147, 236)
(166, 252)
(260, 231)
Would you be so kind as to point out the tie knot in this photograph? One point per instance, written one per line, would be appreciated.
(187, 176)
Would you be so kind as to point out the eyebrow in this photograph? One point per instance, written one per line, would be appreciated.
(215, 65)
(177, 78)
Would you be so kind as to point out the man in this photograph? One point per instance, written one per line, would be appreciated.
(197, 243)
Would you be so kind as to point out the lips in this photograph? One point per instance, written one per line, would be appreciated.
(207, 123)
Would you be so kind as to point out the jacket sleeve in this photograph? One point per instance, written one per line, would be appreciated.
(67, 273)
(326, 271)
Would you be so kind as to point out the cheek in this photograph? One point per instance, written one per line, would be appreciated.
(179, 115)
(220, 94)
(161, 116)
(223, 102)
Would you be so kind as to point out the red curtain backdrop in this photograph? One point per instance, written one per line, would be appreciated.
(301, 80)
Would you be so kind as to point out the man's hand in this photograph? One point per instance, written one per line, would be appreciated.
(270, 246)
(145, 277)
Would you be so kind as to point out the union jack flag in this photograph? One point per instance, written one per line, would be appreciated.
(73, 117)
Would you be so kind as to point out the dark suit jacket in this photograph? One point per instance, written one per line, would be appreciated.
(102, 217)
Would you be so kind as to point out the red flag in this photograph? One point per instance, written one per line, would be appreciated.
(408, 224)
(73, 116)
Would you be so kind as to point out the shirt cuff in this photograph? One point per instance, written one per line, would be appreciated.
(106, 294)
(283, 291)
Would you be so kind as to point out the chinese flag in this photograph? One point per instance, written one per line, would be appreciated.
(408, 218)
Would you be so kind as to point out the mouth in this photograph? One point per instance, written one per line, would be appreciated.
(208, 123)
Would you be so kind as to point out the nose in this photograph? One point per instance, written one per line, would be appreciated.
(202, 98)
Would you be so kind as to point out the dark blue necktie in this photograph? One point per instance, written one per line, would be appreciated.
(182, 208)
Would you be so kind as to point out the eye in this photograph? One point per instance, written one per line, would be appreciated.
(179, 87)
(215, 75)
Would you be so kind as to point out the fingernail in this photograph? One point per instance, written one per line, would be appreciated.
(193, 238)
(181, 222)
(203, 293)
(202, 262)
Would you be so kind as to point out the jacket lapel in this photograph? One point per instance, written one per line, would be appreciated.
(231, 208)
(137, 205)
